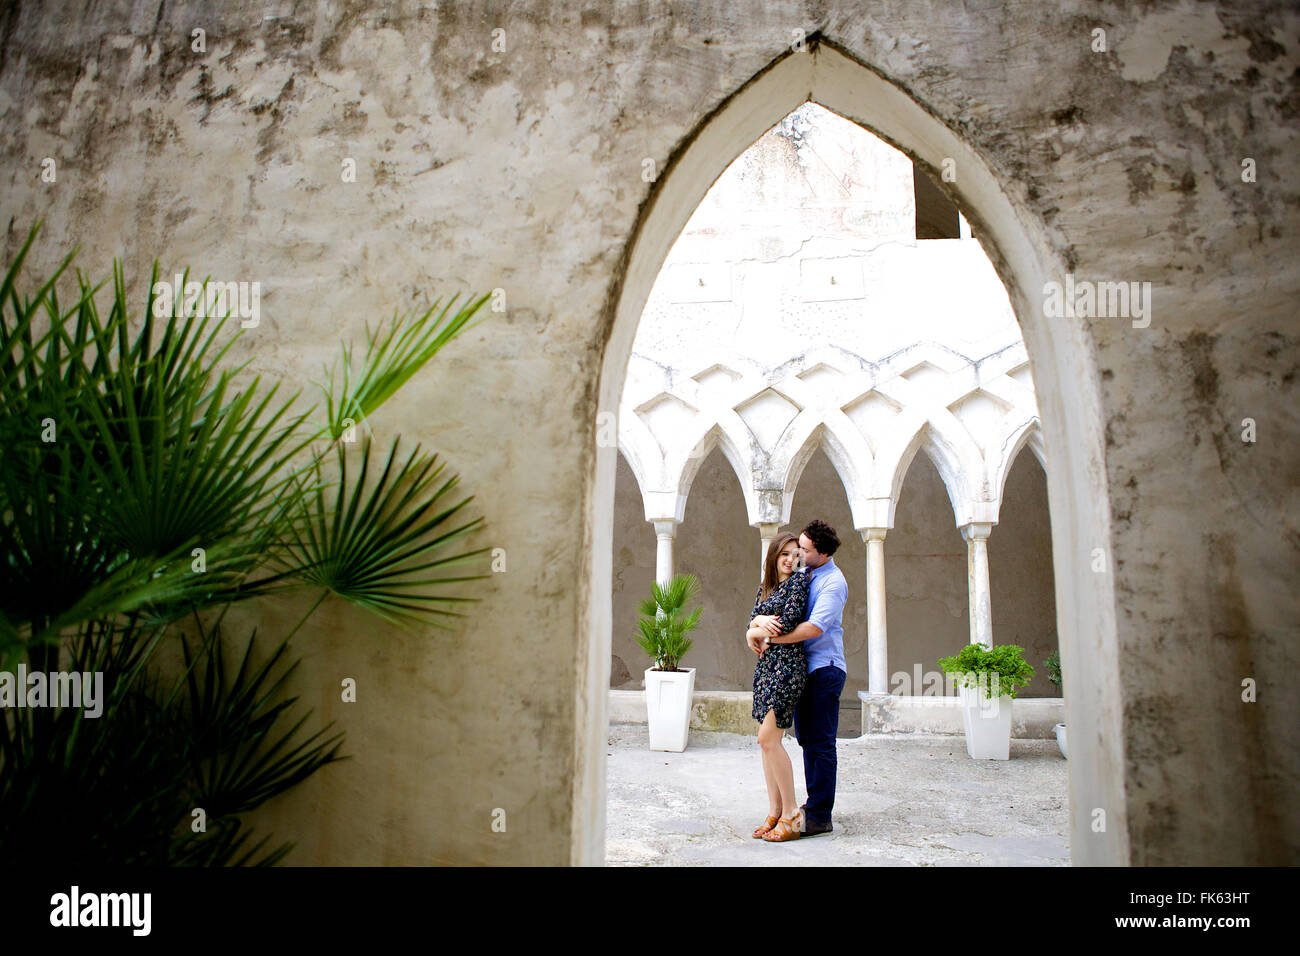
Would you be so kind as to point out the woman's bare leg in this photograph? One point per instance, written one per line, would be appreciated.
(775, 757)
(773, 791)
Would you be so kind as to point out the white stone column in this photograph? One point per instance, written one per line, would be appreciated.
(977, 581)
(767, 530)
(665, 531)
(877, 639)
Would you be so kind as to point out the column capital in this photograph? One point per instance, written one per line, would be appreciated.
(665, 527)
(873, 534)
(976, 530)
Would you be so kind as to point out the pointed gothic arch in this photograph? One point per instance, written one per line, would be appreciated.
(1064, 370)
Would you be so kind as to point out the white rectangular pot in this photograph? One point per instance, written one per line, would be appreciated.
(987, 724)
(668, 697)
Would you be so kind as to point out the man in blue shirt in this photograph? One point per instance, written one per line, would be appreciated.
(817, 715)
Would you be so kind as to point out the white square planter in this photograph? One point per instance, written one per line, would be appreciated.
(668, 697)
(987, 724)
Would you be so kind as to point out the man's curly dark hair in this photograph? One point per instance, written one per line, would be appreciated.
(823, 537)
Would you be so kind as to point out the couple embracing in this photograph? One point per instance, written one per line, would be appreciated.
(796, 628)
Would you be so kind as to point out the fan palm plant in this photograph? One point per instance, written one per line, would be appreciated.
(663, 626)
(142, 494)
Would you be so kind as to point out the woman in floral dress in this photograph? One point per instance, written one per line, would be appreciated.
(779, 678)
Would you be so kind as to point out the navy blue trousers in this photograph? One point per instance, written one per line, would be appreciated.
(816, 720)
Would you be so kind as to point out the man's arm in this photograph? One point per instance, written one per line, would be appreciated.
(805, 631)
(827, 609)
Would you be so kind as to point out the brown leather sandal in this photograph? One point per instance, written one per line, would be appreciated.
(761, 832)
(784, 830)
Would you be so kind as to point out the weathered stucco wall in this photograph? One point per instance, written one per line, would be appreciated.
(521, 169)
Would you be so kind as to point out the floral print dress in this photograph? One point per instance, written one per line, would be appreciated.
(782, 669)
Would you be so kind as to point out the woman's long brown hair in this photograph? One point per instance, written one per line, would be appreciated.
(770, 577)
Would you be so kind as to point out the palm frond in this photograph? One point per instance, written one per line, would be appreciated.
(369, 541)
(238, 760)
(393, 355)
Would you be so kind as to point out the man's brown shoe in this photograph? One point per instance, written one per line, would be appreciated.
(811, 827)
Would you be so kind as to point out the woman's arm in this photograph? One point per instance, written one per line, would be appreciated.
(754, 634)
(796, 604)
(756, 619)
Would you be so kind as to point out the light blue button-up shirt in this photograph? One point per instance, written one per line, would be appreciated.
(827, 594)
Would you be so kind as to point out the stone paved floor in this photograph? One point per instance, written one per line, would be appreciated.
(900, 801)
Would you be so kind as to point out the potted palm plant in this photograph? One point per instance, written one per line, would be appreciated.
(1053, 665)
(987, 679)
(669, 688)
